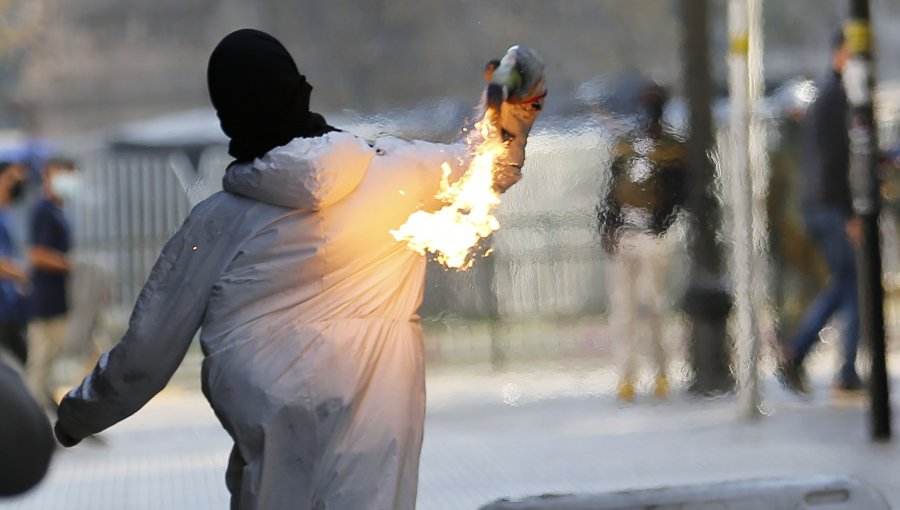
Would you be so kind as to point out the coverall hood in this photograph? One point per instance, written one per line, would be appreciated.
(306, 174)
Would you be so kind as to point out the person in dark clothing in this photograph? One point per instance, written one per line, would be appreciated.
(828, 213)
(12, 276)
(26, 440)
(798, 269)
(646, 191)
(49, 246)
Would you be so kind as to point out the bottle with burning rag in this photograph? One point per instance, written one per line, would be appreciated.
(512, 100)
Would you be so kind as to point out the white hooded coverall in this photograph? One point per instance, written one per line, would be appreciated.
(307, 313)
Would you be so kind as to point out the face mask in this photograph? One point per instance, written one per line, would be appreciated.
(65, 186)
(17, 191)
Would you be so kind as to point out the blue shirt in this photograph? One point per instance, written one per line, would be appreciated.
(49, 229)
(12, 304)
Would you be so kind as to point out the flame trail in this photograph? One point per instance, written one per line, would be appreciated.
(468, 216)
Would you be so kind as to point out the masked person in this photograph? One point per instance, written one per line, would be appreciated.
(306, 304)
(833, 227)
(51, 239)
(647, 188)
(13, 277)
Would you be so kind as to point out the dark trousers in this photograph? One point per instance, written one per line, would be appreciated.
(13, 338)
(827, 229)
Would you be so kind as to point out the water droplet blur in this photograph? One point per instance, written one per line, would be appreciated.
(511, 394)
(580, 299)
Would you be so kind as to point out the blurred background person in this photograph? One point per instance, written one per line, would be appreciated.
(88, 292)
(50, 242)
(647, 187)
(13, 277)
(830, 222)
(798, 270)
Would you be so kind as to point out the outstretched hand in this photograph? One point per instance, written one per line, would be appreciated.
(63, 438)
(524, 90)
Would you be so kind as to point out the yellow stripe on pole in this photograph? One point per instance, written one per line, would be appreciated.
(740, 44)
(857, 35)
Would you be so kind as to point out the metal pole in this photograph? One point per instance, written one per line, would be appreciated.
(760, 174)
(747, 341)
(859, 82)
(706, 302)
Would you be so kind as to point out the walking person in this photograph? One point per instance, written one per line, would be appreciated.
(830, 222)
(306, 305)
(50, 242)
(646, 191)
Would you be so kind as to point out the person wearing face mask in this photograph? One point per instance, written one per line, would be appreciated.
(834, 228)
(13, 277)
(48, 255)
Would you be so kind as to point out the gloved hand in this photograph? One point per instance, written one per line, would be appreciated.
(64, 438)
(521, 75)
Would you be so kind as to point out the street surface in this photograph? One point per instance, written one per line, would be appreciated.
(550, 428)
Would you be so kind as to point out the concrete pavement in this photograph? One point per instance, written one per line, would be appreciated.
(544, 428)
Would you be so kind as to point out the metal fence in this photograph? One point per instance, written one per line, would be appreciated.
(547, 264)
(545, 259)
(131, 206)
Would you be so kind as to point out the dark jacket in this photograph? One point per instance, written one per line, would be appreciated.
(49, 229)
(660, 193)
(826, 149)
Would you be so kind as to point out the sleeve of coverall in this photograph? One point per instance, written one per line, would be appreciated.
(165, 318)
(428, 163)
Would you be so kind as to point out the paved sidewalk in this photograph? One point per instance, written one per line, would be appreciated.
(550, 429)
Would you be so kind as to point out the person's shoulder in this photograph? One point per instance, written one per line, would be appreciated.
(220, 219)
(624, 146)
(225, 208)
(674, 143)
(410, 152)
(670, 152)
(332, 147)
(222, 203)
(39, 205)
(386, 145)
(42, 209)
(831, 84)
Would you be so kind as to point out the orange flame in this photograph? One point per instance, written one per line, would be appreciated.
(468, 216)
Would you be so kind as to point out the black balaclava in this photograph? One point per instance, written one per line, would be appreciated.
(261, 98)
